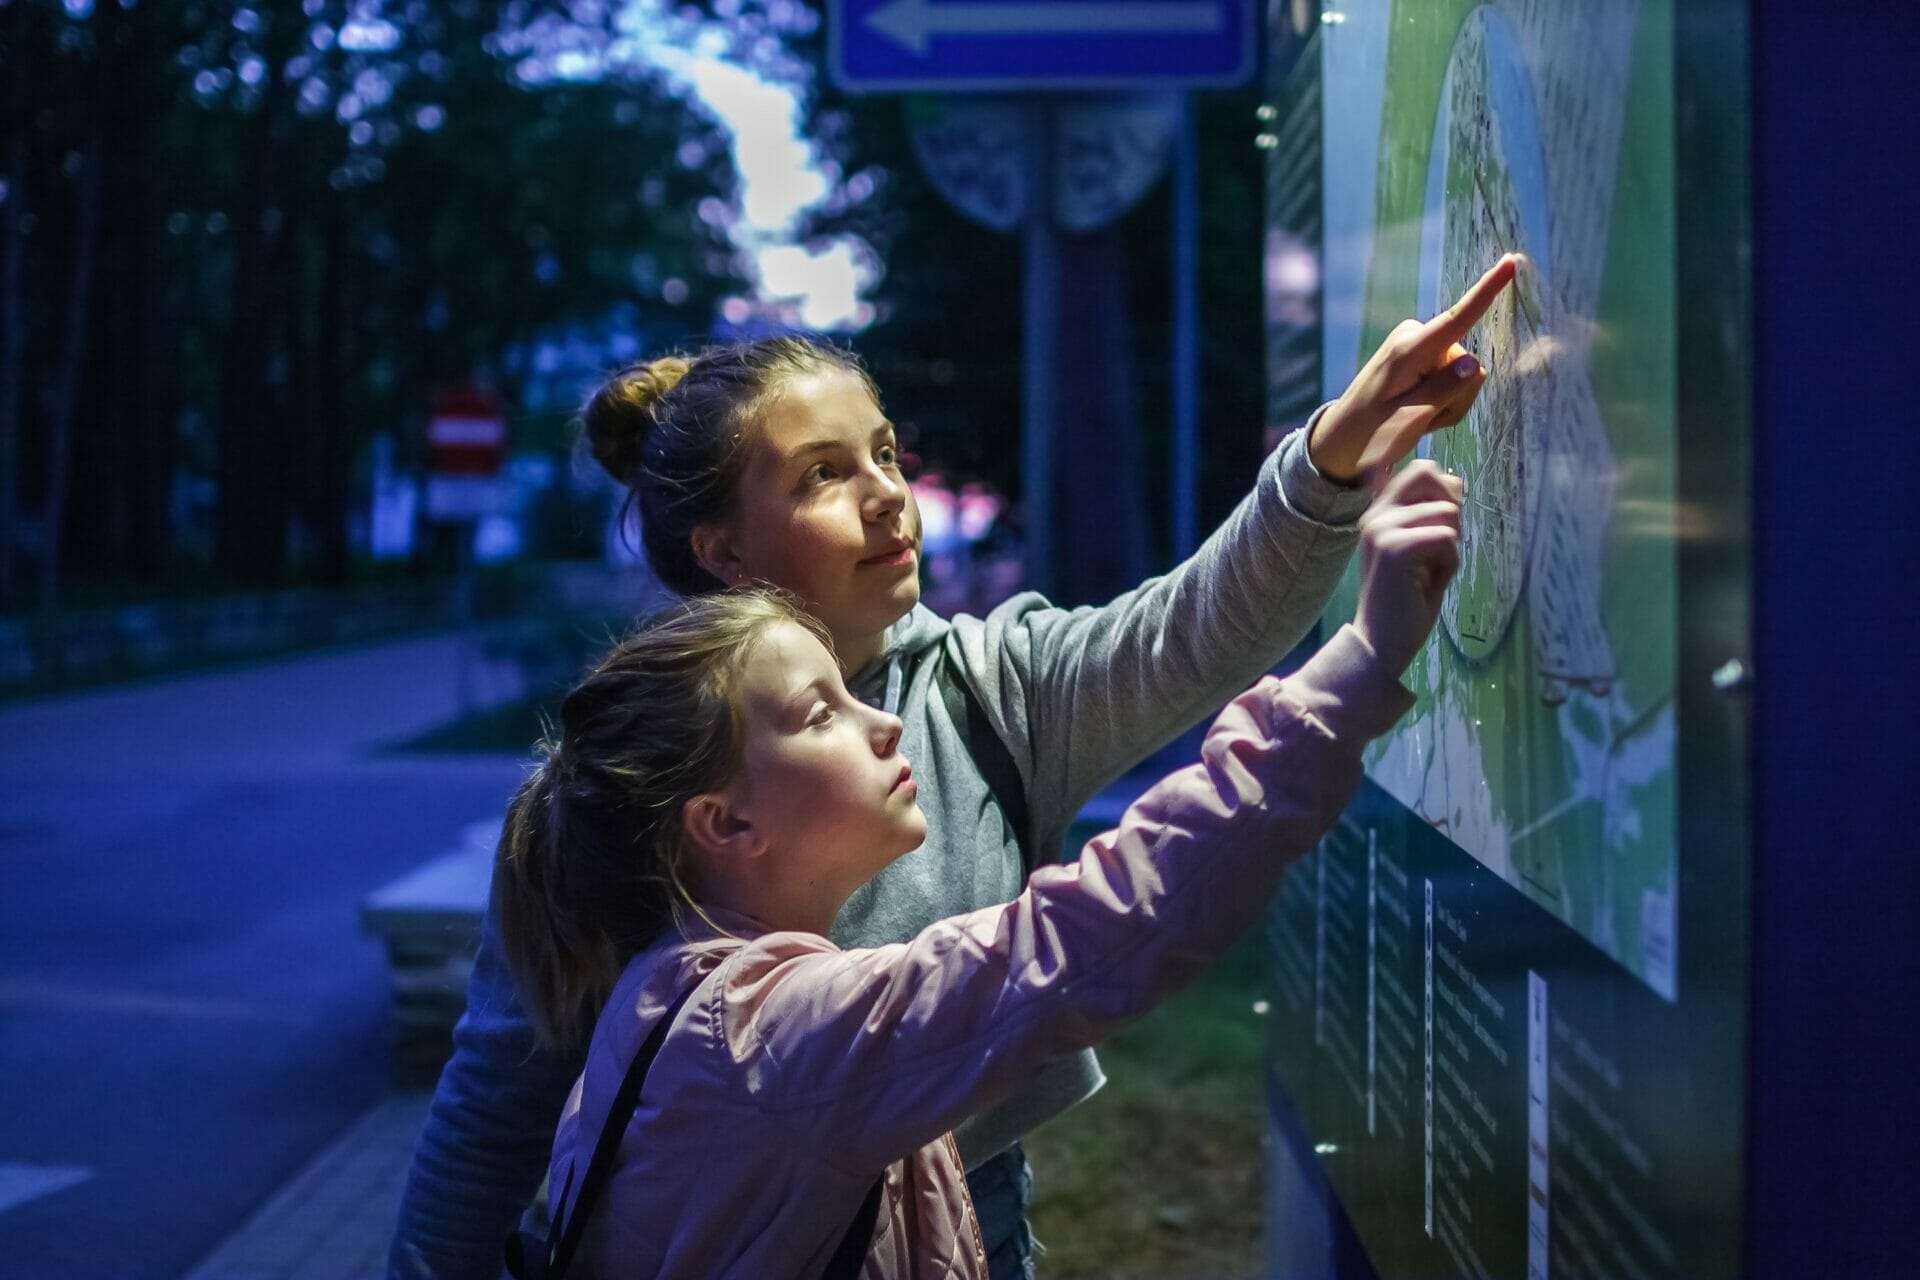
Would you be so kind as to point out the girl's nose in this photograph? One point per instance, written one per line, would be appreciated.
(886, 494)
(886, 734)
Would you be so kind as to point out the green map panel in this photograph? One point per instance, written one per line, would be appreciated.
(1544, 743)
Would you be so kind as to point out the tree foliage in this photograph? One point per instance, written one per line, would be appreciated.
(306, 216)
(242, 240)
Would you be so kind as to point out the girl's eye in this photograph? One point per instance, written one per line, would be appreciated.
(822, 717)
(819, 473)
(889, 456)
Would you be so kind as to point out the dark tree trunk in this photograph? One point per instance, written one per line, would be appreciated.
(154, 379)
(250, 513)
(1100, 535)
(119, 506)
(148, 352)
(64, 402)
(335, 438)
(13, 292)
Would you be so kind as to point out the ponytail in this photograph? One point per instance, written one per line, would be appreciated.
(563, 960)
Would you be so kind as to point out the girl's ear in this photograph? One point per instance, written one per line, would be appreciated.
(713, 548)
(719, 829)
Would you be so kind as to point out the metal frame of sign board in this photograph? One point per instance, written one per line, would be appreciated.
(1714, 449)
(1064, 81)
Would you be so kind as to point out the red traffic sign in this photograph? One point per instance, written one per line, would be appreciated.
(466, 434)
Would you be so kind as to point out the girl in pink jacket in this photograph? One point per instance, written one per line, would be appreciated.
(713, 797)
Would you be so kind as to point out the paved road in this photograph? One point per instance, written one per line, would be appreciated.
(187, 1009)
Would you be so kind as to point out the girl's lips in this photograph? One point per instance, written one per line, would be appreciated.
(897, 558)
(905, 779)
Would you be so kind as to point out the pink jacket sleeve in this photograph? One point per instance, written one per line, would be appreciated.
(867, 1055)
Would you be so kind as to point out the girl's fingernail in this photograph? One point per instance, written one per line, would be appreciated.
(1466, 366)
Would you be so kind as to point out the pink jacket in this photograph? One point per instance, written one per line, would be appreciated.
(799, 1071)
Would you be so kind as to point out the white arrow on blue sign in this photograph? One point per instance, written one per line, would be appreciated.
(1012, 45)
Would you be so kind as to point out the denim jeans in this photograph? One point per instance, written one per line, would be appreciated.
(1001, 1188)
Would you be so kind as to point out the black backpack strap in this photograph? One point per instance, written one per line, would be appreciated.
(990, 755)
(852, 1250)
(560, 1246)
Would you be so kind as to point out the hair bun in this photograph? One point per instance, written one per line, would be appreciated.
(621, 413)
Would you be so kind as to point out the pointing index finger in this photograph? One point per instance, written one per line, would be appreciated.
(1453, 324)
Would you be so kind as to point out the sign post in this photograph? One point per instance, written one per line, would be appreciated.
(1039, 333)
(1186, 335)
(466, 447)
(1036, 46)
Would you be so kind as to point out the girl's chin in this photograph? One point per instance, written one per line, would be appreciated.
(873, 613)
(904, 597)
(902, 584)
(916, 832)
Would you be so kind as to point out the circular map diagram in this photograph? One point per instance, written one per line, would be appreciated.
(1487, 195)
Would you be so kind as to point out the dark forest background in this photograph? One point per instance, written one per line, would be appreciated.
(237, 251)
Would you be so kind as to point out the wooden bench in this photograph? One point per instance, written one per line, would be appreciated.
(429, 920)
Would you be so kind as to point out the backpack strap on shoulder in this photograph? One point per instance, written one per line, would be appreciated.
(526, 1258)
(990, 755)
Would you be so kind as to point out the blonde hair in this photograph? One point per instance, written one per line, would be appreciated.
(673, 430)
(591, 865)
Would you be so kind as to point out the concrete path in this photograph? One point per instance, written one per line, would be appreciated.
(327, 711)
(188, 1011)
(334, 1219)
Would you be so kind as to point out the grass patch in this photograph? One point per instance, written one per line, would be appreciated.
(1162, 1173)
(551, 654)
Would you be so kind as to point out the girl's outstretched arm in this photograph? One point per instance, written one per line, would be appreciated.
(869, 1054)
(1082, 695)
(1089, 692)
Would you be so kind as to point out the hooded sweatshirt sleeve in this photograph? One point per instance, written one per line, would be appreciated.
(869, 1054)
(1083, 694)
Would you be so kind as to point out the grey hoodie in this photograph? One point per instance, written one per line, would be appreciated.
(1078, 696)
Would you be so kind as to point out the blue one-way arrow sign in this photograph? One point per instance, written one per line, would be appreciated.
(1039, 44)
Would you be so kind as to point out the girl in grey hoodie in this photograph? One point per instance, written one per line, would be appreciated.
(772, 462)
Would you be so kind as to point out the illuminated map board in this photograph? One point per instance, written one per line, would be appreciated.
(1510, 1000)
